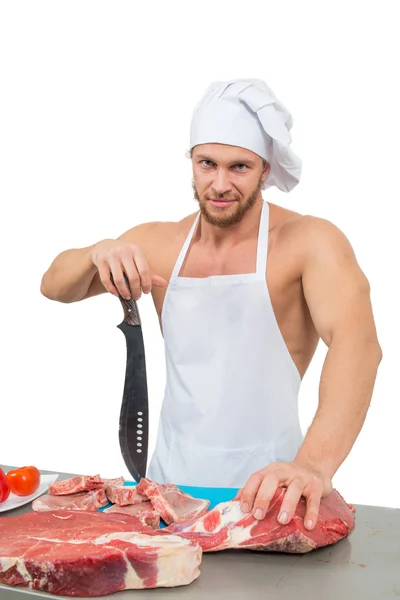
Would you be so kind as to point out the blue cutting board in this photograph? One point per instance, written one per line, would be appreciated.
(214, 495)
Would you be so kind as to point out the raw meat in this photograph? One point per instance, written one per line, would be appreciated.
(173, 505)
(74, 485)
(143, 511)
(118, 481)
(81, 501)
(228, 527)
(92, 554)
(124, 495)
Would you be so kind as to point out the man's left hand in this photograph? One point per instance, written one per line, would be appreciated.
(299, 480)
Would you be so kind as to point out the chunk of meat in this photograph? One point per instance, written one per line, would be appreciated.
(117, 482)
(88, 554)
(143, 511)
(227, 527)
(173, 505)
(124, 495)
(86, 483)
(81, 501)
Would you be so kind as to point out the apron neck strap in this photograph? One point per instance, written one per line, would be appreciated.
(262, 244)
(184, 249)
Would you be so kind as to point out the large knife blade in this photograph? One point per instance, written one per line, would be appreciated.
(134, 415)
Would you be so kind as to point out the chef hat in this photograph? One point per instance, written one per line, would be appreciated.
(246, 113)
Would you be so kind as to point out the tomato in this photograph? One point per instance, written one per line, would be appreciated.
(4, 486)
(24, 481)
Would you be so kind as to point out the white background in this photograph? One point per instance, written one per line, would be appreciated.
(96, 103)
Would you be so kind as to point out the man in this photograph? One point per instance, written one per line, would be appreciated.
(244, 289)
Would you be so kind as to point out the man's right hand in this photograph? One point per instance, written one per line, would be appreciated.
(115, 257)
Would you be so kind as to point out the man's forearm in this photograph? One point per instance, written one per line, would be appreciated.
(69, 276)
(346, 388)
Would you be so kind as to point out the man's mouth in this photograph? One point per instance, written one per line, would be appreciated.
(220, 203)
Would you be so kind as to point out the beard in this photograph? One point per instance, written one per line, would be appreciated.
(235, 216)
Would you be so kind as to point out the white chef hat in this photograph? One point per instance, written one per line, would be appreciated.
(246, 113)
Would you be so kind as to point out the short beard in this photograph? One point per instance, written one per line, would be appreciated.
(232, 219)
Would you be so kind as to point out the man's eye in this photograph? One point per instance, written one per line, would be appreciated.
(241, 165)
(206, 161)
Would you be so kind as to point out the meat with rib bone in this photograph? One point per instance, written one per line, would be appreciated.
(117, 482)
(227, 527)
(173, 505)
(124, 495)
(86, 483)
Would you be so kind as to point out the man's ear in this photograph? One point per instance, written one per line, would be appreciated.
(265, 172)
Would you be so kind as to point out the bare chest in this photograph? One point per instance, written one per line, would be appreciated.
(239, 260)
(282, 278)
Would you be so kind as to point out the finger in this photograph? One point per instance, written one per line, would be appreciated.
(249, 492)
(147, 277)
(105, 278)
(312, 511)
(119, 279)
(143, 271)
(238, 494)
(158, 280)
(264, 496)
(290, 502)
(133, 278)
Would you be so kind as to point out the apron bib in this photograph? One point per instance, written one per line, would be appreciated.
(231, 397)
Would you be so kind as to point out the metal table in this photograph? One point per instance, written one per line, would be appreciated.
(365, 565)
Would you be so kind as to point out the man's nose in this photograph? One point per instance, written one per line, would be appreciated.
(221, 183)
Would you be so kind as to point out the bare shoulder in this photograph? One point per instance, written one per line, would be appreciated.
(328, 260)
(309, 234)
(159, 239)
(320, 239)
(157, 233)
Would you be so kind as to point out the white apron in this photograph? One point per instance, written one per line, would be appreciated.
(231, 396)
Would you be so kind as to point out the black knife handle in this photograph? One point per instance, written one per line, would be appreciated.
(131, 312)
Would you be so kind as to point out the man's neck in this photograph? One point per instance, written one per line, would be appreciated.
(224, 238)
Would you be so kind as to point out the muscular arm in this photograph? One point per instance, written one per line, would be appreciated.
(72, 276)
(69, 276)
(338, 296)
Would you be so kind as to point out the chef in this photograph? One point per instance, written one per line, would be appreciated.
(244, 290)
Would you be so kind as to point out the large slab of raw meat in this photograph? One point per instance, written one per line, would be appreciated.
(227, 527)
(92, 554)
(173, 505)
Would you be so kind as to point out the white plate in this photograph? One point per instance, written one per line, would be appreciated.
(14, 501)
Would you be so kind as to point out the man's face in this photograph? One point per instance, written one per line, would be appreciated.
(226, 182)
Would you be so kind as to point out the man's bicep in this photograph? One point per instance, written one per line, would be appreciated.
(336, 290)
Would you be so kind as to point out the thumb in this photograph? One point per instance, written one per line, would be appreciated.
(238, 494)
(158, 280)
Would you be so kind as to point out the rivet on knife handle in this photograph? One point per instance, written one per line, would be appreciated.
(131, 311)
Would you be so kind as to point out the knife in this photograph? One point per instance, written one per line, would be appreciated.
(134, 415)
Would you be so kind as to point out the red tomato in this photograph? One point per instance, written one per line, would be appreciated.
(4, 486)
(24, 481)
